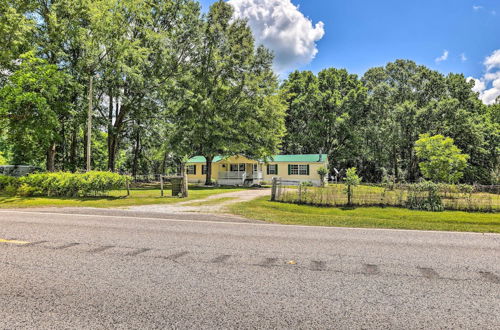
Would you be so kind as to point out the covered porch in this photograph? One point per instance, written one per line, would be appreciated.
(240, 171)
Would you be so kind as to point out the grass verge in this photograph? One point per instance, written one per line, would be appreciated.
(117, 198)
(367, 217)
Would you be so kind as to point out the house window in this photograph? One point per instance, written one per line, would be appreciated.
(203, 169)
(298, 169)
(272, 169)
(237, 167)
(191, 169)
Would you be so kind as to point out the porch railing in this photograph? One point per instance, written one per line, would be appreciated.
(240, 175)
(232, 175)
(257, 176)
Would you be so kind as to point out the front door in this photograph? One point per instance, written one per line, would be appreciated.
(250, 170)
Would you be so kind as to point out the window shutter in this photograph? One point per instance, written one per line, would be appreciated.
(267, 166)
(276, 169)
(194, 166)
(307, 169)
(289, 169)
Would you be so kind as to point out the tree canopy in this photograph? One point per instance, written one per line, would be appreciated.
(372, 123)
(441, 159)
(229, 104)
(167, 81)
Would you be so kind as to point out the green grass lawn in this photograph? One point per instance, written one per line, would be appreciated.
(367, 217)
(117, 198)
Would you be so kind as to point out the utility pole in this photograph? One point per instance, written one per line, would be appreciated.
(89, 125)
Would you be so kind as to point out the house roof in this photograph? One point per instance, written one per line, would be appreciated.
(201, 159)
(310, 158)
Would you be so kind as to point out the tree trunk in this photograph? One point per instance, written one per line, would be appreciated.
(113, 138)
(164, 163)
(85, 140)
(72, 154)
(349, 195)
(208, 180)
(111, 152)
(137, 152)
(64, 157)
(51, 157)
(395, 163)
(184, 183)
(111, 165)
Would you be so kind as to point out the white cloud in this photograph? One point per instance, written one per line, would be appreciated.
(493, 61)
(479, 85)
(489, 96)
(280, 26)
(488, 86)
(463, 57)
(443, 57)
(477, 8)
(490, 76)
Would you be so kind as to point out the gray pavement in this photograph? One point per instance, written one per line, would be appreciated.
(119, 269)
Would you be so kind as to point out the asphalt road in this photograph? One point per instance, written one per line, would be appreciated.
(134, 270)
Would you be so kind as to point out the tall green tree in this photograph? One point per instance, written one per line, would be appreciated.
(441, 160)
(405, 100)
(228, 103)
(145, 45)
(396, 93)
(16, 34)
(324, 114)
(32, 103)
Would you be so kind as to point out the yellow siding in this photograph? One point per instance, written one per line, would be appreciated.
(282, 170)
(200, 178)
(217, 167)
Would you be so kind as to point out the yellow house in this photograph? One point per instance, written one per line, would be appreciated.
(239, 170)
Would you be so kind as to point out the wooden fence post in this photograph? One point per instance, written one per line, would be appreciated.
(184, 185)
(273, 189)
(300, 193)
(128, 187)
(161, 185)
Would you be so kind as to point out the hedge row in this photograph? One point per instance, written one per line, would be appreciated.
(63, 184)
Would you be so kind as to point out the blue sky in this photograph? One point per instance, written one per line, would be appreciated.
(359, 34)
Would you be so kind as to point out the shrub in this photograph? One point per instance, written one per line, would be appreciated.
(424, 196)
(442, 161)
(6, 181)
(352, 180)
(64, 184)
(25, 190)
(322, 172)
(11, 190)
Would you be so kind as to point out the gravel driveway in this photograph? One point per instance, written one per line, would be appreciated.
(187, 206)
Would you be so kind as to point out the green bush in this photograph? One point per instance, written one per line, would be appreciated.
(424, 196)
(64, 184)
(6, 181)
(323, 172)
(25, 190)
(11, 190)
